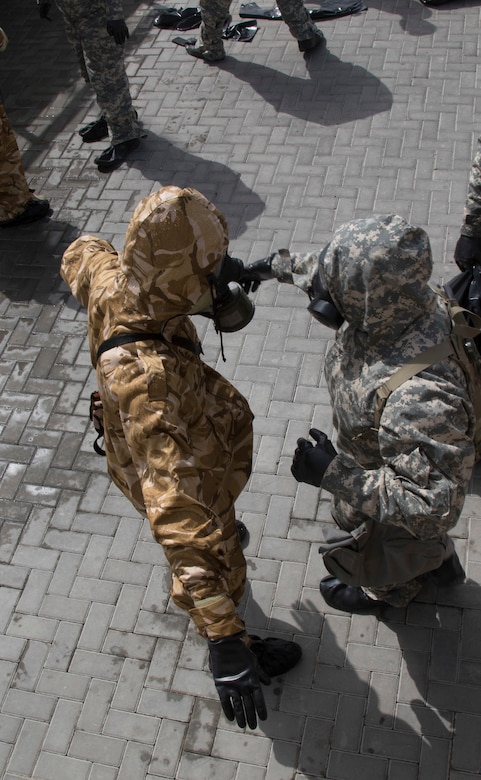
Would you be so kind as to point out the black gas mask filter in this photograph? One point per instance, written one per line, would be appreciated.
(229, 307)
(322, 307)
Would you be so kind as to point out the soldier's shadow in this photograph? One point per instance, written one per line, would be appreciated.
(334, 92)
(165, 163)
(30, 260)
(389, 691)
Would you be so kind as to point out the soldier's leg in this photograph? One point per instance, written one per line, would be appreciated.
(214, 14)
(300, 24)
(17, 203)
(104, 60)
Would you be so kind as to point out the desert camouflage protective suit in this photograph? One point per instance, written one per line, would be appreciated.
(414, 471)
(101, 62)
(178, 436)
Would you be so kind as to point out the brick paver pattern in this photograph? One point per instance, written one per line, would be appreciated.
(101, 677)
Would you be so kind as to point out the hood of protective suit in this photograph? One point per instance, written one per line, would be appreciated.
(377, 271)
(175, 240)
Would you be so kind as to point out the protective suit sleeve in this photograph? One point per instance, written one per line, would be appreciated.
(115, 9)
(297, 269)
(472, 211)
(425, 442)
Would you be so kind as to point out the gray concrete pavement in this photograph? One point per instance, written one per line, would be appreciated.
(101, 677)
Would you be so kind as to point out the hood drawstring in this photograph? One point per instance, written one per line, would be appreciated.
(215, 309)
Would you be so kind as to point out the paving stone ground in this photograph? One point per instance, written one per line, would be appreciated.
(101, 677)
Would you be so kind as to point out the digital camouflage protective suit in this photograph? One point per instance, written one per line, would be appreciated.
(178, 436)
(215, 12)
(472, 211)
(414, 471)
(101, 62)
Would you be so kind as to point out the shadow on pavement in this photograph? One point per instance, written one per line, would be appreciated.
(162, 162)
(335, 92)
(30, 260)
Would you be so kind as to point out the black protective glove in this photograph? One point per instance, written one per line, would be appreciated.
(44, 9)
(467, 252)
(257, 272)
(309, 463)
(230, 270)
(118, 30)
(238, 677)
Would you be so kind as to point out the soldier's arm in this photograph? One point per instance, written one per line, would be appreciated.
(297, 269)
(115, 9)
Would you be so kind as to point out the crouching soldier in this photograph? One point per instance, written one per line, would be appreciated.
(178, 436)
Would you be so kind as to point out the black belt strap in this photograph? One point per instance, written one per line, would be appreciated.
(128, 338)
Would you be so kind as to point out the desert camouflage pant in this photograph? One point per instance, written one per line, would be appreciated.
(14, 191)
(182, 511)
(215, 12)
(102, 65)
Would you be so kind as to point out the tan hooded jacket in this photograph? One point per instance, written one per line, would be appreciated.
(178, 436)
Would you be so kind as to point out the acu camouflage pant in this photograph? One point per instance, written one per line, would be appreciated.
(102, 65)
(215, 12)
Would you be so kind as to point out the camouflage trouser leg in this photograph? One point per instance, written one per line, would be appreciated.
(401, 595)
(295, 15)
(104, 61)
(235, 568)
(214, 13)
(14, 191)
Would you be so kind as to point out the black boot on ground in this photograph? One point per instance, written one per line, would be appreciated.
(34, 210)
(348, 598)
(94, 131)
(113, 156)
(309, 44)
(450, 572)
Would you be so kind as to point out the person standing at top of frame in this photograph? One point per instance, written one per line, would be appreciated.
(18, 204)
(97, 31)
(216, 12)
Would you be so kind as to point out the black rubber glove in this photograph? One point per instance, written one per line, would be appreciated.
(257, 272)
(310, 463)
(44, 9)
(238, 677)
(118, 30)
(467, 252)
(230, 270)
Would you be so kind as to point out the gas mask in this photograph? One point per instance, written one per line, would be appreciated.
(225, 302)
(322, 307)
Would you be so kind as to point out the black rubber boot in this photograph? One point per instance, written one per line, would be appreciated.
(348, 598)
